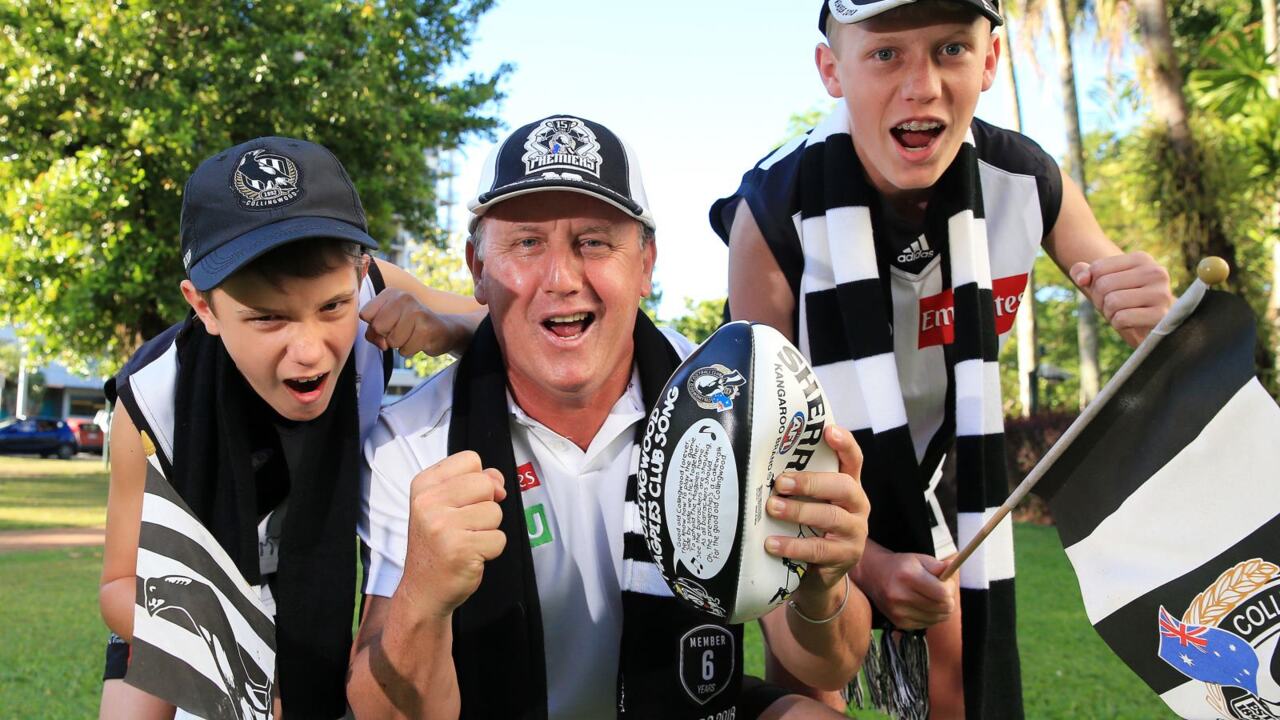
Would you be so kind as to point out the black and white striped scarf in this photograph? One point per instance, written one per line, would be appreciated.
(499, 628)
(845, 328)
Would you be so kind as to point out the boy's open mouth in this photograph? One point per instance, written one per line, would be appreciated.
(571, 326)
(305, 385)
(916, 134)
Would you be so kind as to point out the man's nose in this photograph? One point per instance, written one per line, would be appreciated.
(564, 270)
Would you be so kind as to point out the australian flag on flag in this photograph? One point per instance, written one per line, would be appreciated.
(1208, 654)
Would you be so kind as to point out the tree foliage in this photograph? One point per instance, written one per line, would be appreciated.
(700, 319)
(108, 107)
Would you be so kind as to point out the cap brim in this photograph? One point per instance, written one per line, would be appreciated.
(211, 270)
(481, 204)
(871, 10)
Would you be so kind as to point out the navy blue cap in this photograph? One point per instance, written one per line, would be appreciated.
(260, 195)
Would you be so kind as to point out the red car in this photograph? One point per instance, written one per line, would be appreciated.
(89, 436)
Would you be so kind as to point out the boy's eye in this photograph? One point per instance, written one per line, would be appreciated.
(330, 307)
(953, 49)
(883, 55)
(264, 318)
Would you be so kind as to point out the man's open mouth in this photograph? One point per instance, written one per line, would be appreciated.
(304, 385)
(917, 134)
(569, 326)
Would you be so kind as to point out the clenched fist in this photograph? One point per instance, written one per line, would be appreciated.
(398, 320)
(1131, 290)
(453, 530)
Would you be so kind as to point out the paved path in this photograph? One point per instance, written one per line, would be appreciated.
(20, 540)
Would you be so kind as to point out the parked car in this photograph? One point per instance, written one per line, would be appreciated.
(45, 436)
(89, 435)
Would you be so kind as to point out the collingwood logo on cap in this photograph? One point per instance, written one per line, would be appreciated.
(842, 11)
(265, 180)
(562, 142)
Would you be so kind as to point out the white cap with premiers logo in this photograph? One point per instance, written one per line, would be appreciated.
(563, 152)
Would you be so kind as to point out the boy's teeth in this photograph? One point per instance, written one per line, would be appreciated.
(918, 125)
(576, 317)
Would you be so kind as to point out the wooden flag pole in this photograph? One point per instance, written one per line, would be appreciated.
(1210, 271)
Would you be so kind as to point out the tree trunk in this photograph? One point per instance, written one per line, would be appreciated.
(1205, 234)
(1025, 323)
(1269, 43)
(1087, 322)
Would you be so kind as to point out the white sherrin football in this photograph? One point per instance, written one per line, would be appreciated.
(741, 410)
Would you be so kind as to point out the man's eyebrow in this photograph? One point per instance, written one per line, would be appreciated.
(601, 228)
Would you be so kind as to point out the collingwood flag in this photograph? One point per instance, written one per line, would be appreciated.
(201, 639)
(1167, 500)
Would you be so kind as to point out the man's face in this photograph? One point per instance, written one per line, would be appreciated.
(289, 341)
(911, 79)
(562, 274)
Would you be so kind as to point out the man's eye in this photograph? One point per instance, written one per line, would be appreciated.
(527, 242)
(883, 55)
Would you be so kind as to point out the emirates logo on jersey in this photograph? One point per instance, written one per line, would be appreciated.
(938, 312)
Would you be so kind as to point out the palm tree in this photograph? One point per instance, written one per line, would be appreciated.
(1025, 324)
(1087, 319)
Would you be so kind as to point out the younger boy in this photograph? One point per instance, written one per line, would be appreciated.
(256, 405)
(879, 240)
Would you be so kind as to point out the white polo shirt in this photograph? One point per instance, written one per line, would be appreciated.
(573, 502)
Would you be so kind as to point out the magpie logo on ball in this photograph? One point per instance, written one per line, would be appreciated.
(265, 180)
(714, 387)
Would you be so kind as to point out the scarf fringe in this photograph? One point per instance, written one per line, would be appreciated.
(896, 673)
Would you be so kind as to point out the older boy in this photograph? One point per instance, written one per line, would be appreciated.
(880, 240)
(257, 403)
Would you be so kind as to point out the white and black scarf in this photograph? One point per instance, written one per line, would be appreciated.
(846, 329)
(499, 628)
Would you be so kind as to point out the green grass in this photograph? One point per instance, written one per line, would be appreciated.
(53, 637)
(37, 493)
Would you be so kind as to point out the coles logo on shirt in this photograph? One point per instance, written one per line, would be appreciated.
(527, 476)
(937, 312)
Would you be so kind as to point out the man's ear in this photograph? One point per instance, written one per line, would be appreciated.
(649, 258)
(825, 59)
(992, 60)
(203, 310)
(476, 266)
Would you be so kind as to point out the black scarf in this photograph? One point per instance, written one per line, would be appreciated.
(500, 625)
(847, 333)
(212, 471)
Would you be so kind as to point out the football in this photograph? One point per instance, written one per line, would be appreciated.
(740, 410)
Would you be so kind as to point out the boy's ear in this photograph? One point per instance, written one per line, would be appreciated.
(362, 270)
(825, 59)
(201, 306)
(991, 61)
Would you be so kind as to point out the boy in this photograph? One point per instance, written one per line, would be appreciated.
(885, 234)
(258, 402)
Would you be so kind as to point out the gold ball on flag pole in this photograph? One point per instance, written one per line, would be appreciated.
(1213, 270)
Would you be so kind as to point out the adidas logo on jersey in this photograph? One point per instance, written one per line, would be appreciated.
(918, 250)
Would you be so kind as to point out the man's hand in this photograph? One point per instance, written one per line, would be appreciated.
(1131, 290)
(453, 530)
(905, 587)
(398, 320)
(835, 506)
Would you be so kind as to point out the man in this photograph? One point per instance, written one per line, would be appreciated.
(258, 401)
(854, 240)
(509, 576)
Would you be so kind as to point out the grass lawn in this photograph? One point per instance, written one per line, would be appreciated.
(38, 493)
(51, 654)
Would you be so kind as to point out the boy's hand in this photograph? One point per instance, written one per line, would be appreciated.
(836, 508)
(398, 320)
(453, 530)
(905, 587)
(1131, 290)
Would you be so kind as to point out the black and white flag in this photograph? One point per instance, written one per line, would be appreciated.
(1166, 494)
(201, 639)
